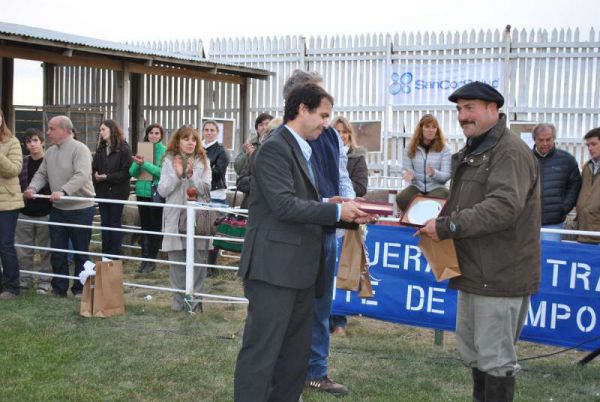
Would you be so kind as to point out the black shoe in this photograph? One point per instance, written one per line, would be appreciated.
(59, 294)
(150, 266)
(142, 267)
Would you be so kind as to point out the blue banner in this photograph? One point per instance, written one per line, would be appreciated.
(565, 312)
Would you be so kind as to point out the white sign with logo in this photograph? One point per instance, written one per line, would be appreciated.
(431, 84)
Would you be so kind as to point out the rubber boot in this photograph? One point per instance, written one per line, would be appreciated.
(478, 385)
(499, 389)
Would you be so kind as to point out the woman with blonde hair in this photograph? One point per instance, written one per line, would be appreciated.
(11, 201)
(359, 176)
(426, 162)
(185, 165)
(357, 164)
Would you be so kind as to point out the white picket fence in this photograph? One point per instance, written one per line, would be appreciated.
(549, 76)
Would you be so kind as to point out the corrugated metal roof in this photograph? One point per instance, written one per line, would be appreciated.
(70, 39)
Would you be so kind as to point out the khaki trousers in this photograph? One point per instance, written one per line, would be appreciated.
(487, 329)
(177, 273)
(33, 234)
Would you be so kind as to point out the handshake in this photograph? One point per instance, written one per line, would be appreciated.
(351, 212)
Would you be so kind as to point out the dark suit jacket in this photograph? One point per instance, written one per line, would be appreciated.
(284, 241)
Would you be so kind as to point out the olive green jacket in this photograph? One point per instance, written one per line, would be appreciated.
(588, 204)
(493, 215)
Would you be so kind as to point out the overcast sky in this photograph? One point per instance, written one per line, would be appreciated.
(122, 20)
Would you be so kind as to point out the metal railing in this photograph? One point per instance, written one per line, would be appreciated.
(191, 207)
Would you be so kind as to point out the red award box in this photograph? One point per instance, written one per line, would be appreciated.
(376, 208)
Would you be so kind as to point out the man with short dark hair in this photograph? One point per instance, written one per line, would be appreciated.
(560, 179)
(493, 216)
(67, 170)
(281, 263)
(330, 164)
(588, 202)
(260, 125)
(28, 233)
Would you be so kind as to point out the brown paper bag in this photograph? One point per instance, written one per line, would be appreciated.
(441, 256)
(353, 266)
(366, 290)
(108, 292)
(103, 293)
(351, 261)
(87, 299)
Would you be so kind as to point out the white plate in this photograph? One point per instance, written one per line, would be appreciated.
(422, 211)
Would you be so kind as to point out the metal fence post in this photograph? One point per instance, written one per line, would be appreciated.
(189, 254)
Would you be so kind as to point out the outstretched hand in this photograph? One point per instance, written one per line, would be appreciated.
(428, 230)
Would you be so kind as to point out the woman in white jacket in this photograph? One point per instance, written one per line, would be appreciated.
(426, 163)
(185, 165)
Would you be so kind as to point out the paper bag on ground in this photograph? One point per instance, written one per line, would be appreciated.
(108, 292)
(441, 256)
(351, 259)
(87, 299)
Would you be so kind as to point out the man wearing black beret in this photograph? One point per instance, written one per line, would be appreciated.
(493, 215)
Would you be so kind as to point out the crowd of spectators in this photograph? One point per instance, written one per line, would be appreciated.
(336, 172)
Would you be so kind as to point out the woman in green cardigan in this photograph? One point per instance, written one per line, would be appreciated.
(150, 217)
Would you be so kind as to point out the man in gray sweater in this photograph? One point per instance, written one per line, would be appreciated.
(67, 169)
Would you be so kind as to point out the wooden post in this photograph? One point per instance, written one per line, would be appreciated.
(49, 69)
(137, 117)
(6, 97)
(438, 337)
(122, 99)
(244, 115)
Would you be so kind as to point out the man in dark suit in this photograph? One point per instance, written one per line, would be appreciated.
(282, 257)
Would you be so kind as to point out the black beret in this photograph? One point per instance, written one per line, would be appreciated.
(478, 90)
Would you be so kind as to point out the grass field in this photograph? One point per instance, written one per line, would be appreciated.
(49, 353)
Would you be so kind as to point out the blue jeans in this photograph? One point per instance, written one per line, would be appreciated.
(59, 238)
(110, 217)
(8, 253)
(338, 321)
(319, 351)
(551, 236)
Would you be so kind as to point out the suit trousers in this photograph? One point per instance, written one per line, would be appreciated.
(487, 329)
(272, 362)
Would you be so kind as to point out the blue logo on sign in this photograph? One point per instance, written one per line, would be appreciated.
(401, 83)
(406, 82)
